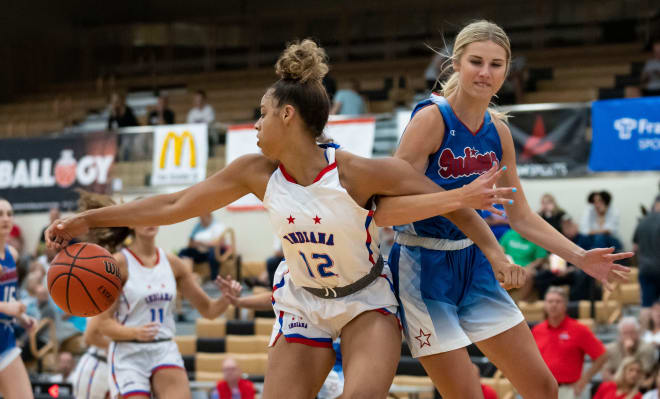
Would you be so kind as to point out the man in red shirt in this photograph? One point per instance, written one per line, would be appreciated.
(563, 342)
(233, 386)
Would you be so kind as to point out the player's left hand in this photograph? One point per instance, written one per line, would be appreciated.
(599, 264)
(509, 275)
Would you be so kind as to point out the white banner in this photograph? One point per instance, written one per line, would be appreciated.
(180, 154)
(354, 135)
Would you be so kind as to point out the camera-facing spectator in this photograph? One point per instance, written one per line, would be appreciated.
(201, 112)
(652, 333)
(551, 212)
(626, 381)
(628, 343)
(564, 342)
(64, 368)
(647, 248)
(651, 72)
(233, 386)
(601, 221)
(162, 114)
(121, 115)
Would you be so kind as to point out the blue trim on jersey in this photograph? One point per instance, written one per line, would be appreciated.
(462, 157)
(369, 240)
(328, 145)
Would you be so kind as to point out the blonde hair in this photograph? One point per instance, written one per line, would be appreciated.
(111, 238)
(620, 376)
(478, 31)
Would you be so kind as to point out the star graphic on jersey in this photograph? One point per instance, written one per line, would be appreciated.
(317, 220)
(423, 338)
(148, 287)
(291, 219)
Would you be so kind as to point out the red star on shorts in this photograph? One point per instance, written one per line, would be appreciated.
(291, 219)
(423, 338)
(317, 220)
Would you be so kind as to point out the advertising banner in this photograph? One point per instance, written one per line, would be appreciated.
(37, 174)
(550, 140)
(180, 154)
(626, 134)
(354, 135)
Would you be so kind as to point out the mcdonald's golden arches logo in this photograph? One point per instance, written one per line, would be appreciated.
(179, 141)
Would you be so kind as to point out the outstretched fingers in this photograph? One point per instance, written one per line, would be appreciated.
(620, 256)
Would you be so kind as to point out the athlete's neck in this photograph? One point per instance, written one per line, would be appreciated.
(146, 250)
(303, 161)
(470, 110)
(3, 245)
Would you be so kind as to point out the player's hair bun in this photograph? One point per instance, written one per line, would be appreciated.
(302, 61)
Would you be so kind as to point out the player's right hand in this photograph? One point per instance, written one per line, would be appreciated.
(147, 332)
(509, 275)
(15, 308)
(61, 231)
(480, 194)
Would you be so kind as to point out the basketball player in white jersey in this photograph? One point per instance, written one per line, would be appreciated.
(90, 378)
(142, 357)
(333, 282)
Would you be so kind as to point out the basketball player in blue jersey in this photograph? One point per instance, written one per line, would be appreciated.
(448, 292)
(14, 381)
(333, 281)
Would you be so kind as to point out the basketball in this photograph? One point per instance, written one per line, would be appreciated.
(84, 279)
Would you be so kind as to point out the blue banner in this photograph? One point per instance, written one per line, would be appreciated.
(626, 134)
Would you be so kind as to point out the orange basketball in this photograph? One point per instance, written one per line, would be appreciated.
(84, 279)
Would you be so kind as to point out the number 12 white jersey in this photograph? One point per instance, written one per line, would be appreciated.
(149, 294)
(327, 238)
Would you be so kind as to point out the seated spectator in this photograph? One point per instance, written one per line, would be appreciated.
(526, 254)
(645, 245)
(628, 343)
(201, 112)
(233, 386)
(162, 114)
(206, 245)
(626, 382)
(499, 224)
(551, 212)
(53, 215)
(121, 115)
(655, 392)
(652, 334)
(64, 368)
(563, 342)
(601, 221)
(651, 72)
(348, 101)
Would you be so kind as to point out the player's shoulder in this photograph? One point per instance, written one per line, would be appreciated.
(500, 124)
(254, 163)
(122, 264)
(177, 264)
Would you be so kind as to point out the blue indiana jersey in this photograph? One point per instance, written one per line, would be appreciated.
(8, 280)
(461, 158)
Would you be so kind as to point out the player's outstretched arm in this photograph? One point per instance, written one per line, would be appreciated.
(247, 174)
(598, 263)
(207, 307)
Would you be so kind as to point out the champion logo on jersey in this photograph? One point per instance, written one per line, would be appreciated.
(471, 163)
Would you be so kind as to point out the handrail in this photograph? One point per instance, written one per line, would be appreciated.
(52, 342)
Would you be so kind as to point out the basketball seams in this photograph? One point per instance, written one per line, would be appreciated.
(87, 270)
(69, 274)
(87, 292)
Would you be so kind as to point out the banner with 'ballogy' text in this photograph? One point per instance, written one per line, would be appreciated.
(38, 174)
(626, 134)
